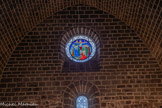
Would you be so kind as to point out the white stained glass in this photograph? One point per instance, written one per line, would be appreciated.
(82, 102)
(77, 56)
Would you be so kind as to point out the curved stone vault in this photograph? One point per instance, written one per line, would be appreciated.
(18, 17)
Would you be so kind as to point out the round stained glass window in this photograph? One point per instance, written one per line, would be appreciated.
(80, 48)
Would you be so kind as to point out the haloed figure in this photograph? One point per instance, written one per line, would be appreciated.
(83, 55)
(80, 50)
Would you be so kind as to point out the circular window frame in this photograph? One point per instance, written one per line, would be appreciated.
(77, 37)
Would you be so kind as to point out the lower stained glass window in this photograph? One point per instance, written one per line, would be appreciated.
(82, 102)
(80, 49)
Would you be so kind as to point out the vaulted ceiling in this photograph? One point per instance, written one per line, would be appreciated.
(18, 17)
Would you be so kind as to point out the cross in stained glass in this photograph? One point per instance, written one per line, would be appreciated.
(80, 49)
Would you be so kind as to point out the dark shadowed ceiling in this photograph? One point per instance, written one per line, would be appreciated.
(18, 17)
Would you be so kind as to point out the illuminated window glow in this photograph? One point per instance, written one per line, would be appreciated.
(80, 49)
(82, 102)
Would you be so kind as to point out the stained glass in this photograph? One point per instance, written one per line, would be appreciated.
(80, 49)
(82, 102)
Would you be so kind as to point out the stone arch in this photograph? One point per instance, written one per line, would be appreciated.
(143, 16)
(78, 88)
(80, 31)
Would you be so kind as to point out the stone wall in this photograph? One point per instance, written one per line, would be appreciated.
(129, 76)
(18, 17)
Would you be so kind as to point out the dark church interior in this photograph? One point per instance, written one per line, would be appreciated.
(80, 54)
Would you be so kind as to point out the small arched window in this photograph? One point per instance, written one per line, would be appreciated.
(81, 102)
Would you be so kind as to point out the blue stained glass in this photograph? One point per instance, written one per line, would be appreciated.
(82, 102)
(80, 49)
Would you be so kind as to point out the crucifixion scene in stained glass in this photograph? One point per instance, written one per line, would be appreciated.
(80, 49)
